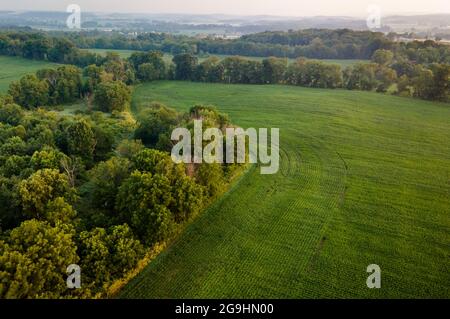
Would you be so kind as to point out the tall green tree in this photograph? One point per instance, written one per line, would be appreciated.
(155, 122)
(211, 177)
(149, 65)
(383, 57)
(274, 70)
(142, 202)
(441, 81)
(64, 83)
(81, 139)
(112, 96)
(29, 91)
(185, 65)
(423, 84)
(42, 187)
(34, 258)
(11, 114)
(105, 180)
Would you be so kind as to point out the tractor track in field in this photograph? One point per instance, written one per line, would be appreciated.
(315, 163)
(354, 184)
(305, 167)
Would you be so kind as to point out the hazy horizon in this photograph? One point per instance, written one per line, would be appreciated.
(282, 8)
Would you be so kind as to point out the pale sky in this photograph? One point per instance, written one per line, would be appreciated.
(238, 7)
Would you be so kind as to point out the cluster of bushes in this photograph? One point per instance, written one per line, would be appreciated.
(62, 47)
(146, 41)
(48, 87)
(429, 82)
(74, 189)
(68, 84)
(40, 46)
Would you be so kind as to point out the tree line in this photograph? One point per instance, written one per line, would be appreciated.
(416, 69)
(384, 73)
(63, 47)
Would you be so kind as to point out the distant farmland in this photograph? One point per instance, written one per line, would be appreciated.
(13, 68)
(364, 179)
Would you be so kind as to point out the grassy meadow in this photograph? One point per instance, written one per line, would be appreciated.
(13, 68)
(364, 179)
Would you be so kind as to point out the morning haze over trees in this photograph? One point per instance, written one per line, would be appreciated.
(97, 187)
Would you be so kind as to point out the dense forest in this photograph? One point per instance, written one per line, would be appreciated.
(96, 188)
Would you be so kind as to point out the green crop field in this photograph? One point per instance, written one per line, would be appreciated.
(13, 68)
(364, 179)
